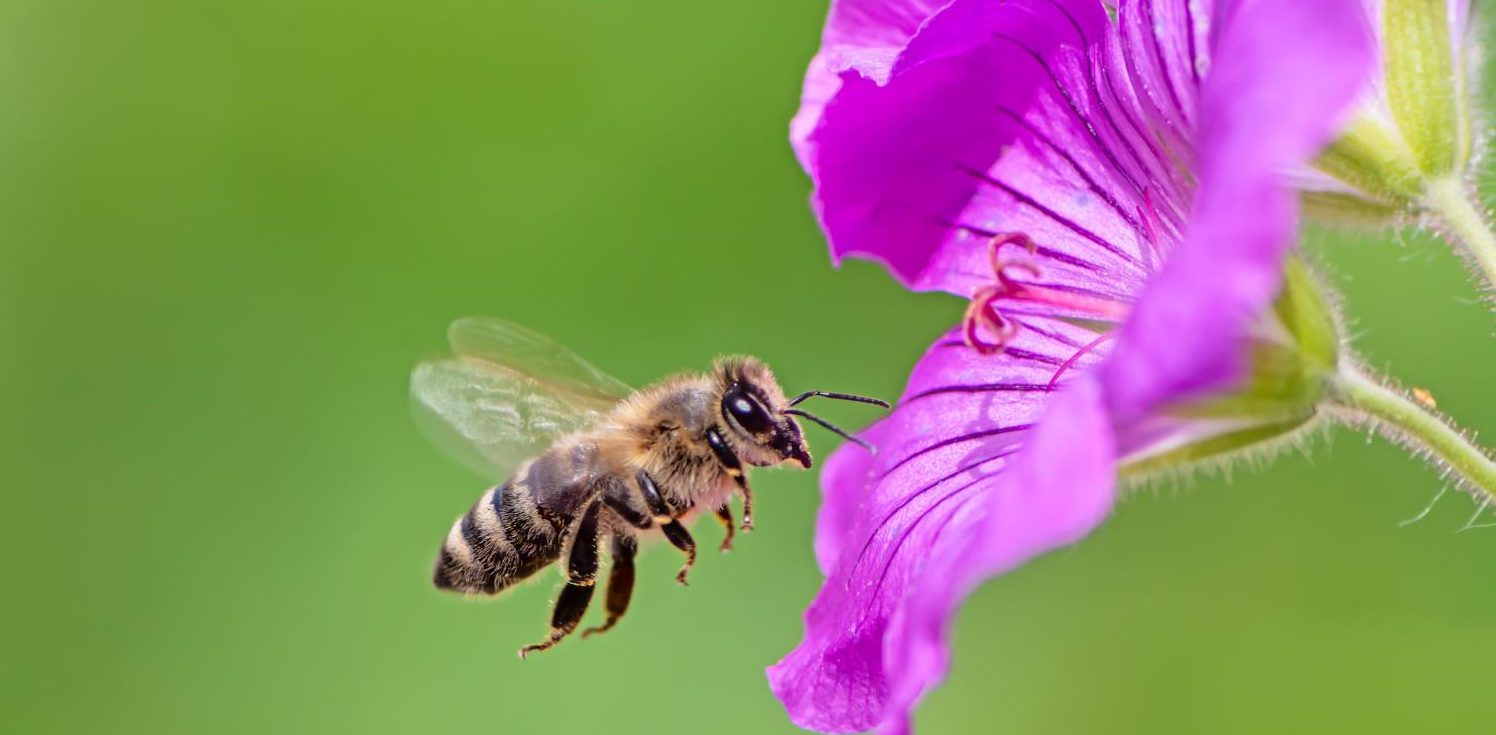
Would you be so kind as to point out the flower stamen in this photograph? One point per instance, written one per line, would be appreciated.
(983, 314)
(1070, 361)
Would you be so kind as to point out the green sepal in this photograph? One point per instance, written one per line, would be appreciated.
(1304, 310)
(1217, 447)
(1420, 79)
(1374, 159)
(1336, 208)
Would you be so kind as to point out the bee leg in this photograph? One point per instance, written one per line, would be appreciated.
(620, 584)
(724, 514)
(734, 469)
(628, 513)
(681, 539)
(581, 577)
(747, 503)
(676, 533)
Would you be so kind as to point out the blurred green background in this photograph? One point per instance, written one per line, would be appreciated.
(229, 230)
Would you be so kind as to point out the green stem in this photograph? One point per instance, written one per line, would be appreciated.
(1462, 220)
(1405, 421)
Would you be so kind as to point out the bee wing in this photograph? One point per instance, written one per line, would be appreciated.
(506, 394)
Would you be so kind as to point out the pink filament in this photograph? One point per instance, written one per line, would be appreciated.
(1082, 352)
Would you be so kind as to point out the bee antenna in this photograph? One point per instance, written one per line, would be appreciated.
(833, 428)
(838, 396)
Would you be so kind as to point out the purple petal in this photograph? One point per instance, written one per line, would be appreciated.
(1164, 53)
(1261, 115)
(1058, 489)
(941, 465)
(861, 36)
(844, 481)
(990, 121)
(1459, 16)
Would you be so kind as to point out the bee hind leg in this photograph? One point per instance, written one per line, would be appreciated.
(620, 584)
(581, 578)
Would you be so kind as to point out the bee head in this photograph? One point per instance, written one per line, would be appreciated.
(754, 410)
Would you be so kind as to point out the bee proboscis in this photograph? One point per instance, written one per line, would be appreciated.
(588, 460)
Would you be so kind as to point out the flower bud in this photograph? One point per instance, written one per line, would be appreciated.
(1413, 125)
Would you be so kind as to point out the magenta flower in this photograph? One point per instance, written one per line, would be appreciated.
(1107, 193)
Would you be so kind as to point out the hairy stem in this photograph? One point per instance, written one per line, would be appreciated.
(1407, 422)
(1463, 221)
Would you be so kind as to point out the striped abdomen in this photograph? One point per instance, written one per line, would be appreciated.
(501, 540)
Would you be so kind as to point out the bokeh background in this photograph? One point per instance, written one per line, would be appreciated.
(230, 228)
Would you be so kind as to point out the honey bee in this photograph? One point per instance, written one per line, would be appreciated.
(588, 460)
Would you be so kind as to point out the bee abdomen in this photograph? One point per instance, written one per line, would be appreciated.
(501, 540)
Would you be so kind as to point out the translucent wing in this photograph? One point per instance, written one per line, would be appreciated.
(506, 394)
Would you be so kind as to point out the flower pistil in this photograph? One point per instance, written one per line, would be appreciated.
(984, 314)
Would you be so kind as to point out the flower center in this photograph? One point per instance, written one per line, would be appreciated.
(986, 329)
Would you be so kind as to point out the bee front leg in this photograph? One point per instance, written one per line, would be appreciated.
(734, 469)
(747, 503)
(676, 533)
(620, 583)
(581, 578)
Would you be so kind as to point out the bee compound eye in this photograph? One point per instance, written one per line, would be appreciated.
(747, 412)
